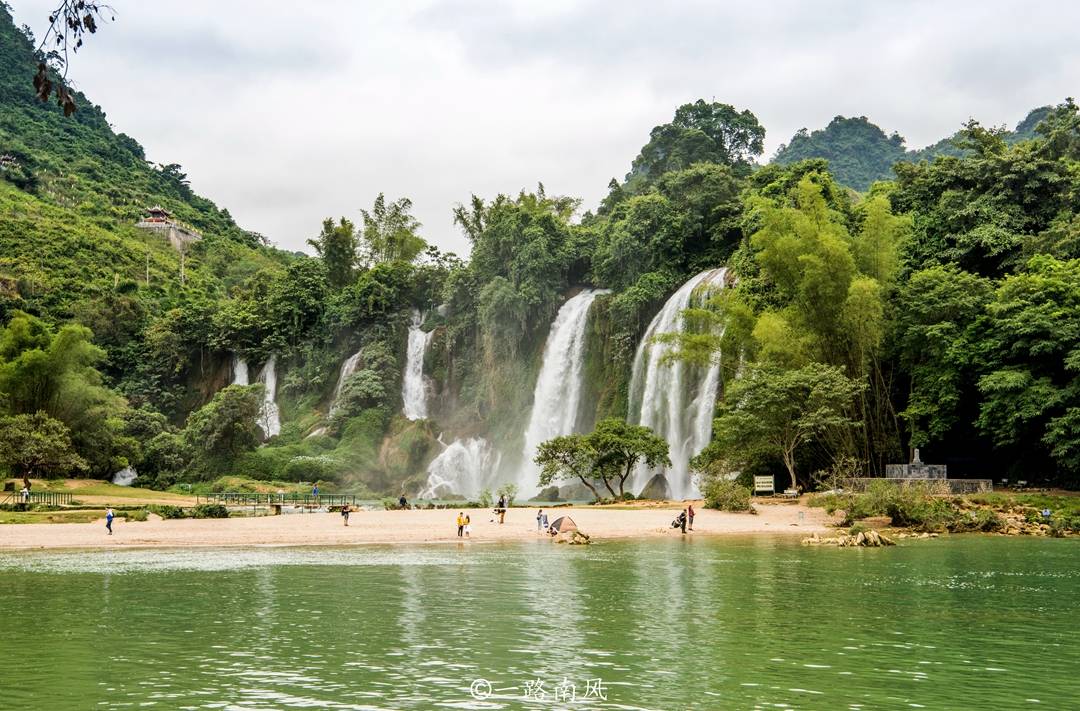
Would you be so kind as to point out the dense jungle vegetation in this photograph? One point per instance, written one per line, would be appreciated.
(887, 300)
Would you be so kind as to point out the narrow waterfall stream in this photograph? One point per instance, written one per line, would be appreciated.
(347, 369)
(414, 388)
(269, 414)
(675, 399)
(557, 395)
(239, 371)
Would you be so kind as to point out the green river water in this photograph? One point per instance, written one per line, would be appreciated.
(732, 623)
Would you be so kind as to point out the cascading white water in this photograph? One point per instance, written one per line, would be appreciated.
(347, 369)
(674, 398)
(464, 467)
(125, 477)
(269, 414)
(558, 387)
(414, 390)
(239, 370)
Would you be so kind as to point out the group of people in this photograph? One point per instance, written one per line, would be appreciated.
(464, 525)
(686, 516)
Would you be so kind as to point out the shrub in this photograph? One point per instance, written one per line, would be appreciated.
(726, 495)
(210, 511)
(136, 515)
(484, 500)
(167, 511)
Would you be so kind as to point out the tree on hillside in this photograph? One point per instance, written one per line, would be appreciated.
(390, 231)
(226, 426)
(858, 151)
(337, 246)
(772, 412)
(37, 445)
(700, 132)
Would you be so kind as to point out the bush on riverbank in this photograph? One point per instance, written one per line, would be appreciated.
(726, 495)
(909, 506)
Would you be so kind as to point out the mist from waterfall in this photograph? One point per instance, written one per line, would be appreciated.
(414, 387)
(464, 467)
(557, 394)
(239, 370)
(269, 414)
(675, 399)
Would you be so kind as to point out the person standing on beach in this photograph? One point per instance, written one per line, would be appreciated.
(345, 513)
(402, 502)
(108, 519)
(682, 520)
(539, 519)
(690, 515)
(468, 526)
(460, 524)
(315, 492)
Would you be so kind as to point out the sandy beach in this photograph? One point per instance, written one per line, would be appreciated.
(429, 526)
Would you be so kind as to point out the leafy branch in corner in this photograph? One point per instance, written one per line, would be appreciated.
(68, 25)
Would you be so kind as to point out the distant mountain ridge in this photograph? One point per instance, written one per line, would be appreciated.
(860, 152)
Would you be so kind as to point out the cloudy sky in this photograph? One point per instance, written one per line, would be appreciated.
(289, 112)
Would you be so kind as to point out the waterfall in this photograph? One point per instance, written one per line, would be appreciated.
(347, 369)
(125, 477)
(675, 399)
(269, 414)
(558, 387)
(239, 370)
(413, 384)
(464, 467)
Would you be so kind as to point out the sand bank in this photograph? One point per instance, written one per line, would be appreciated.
(402, 527)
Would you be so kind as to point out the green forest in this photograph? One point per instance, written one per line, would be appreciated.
(879, 300)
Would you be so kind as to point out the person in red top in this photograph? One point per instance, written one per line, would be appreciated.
(690, 515)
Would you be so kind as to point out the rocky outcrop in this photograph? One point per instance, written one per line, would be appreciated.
(573, 538)
(862, 539)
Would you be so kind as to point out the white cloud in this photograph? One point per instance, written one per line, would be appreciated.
(287, 113)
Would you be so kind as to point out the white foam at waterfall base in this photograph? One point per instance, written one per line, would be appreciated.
(464, 467)
(557, 395)
(269, 414)
(414, 389)
(125, 477)
(675, 399)
(239, 371)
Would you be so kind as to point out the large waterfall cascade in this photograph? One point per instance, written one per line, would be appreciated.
(269, 414)
(464, 467)
(239, 371)
(557, 395)
(414, 386)
(674, 398)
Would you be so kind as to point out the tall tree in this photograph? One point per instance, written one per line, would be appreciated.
(37, 445)
(771, 412)
(337, 246)
(390, 231)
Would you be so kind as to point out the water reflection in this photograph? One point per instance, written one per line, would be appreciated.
(675, 623)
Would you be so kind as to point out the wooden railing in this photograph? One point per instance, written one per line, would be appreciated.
(52, 498)
(238, 498)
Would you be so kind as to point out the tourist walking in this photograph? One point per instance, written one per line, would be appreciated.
(402, 502)
(315, 492)
(460, 524)
(468, 526)
(690, 515)
(345, 513)
(539, 519)
(682, 520)
(108, 519)
(25, 495)
(502, 509)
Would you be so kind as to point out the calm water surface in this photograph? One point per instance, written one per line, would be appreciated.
(960, 623)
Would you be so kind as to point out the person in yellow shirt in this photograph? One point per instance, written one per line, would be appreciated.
(460, 524)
